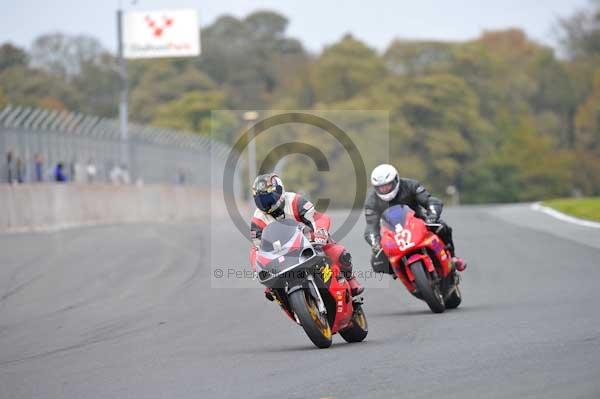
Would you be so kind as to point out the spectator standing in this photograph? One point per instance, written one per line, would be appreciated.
(91, 171)
(10, 173)
(59, 173)
(78, 172)
(180, 176)
(39, 167)
(116, 174)
(19, 169)
(125, 176)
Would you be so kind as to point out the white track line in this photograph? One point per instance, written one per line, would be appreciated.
(565, 218)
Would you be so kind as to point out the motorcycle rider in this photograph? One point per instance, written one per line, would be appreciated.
(390, 189)
(274, 203)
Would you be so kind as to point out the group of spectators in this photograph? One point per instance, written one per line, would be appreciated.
(16, 171)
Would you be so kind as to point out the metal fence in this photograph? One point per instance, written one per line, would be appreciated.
(77, 141)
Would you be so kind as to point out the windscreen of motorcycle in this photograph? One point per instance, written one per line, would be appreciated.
(281, 246)
(395, 215)
(277, 234)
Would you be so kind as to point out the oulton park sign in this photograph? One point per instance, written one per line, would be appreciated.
(163, 33)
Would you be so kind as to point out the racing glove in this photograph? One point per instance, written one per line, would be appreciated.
(321, 236)
(432, 216)
(375, 245)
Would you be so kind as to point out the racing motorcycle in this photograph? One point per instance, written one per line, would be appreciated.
(307, 285)
(419, 258)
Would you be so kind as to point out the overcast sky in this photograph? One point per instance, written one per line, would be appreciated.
(316, 23)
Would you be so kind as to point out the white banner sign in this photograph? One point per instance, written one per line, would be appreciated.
(163, 33)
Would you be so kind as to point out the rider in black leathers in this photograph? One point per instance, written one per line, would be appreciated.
(411, 193)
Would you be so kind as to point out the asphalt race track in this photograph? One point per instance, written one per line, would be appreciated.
(129, 312)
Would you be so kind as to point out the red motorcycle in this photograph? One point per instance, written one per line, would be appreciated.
(419, 258)
(307, 284)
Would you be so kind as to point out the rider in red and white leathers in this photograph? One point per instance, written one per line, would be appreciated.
(274, 203)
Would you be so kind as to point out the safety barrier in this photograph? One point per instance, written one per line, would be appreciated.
(156, 155)
(49, 207)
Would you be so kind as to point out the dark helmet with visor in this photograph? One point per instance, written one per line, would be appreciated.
(268, 193)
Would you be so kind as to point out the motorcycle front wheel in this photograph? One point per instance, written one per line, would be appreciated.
(428, 288)
(312, 321)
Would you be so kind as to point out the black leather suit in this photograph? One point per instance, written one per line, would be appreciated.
(413, 194)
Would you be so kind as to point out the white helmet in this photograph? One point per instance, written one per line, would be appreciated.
(386, 181)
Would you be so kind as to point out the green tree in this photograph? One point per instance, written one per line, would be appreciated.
(192, 111)
(580, 33)
(404, 57)
(500, 117)
(11, 56)
(449, 131)
(30, 87)
(62, 72)
(587, 122)
(527, 166)
(159, 82)
(3, 99)
(250, 57)
(587, 125)
(63, 55)
(97, 85)
(345, 69)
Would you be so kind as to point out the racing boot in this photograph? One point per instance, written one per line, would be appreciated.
(459, 263)
(269, 295)
(355, 287)
(346, 266)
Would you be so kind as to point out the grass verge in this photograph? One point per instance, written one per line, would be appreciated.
(583, 208)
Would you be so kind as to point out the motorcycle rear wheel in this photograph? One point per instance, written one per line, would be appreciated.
(428, 288)
(314, 324)
(454, 299)
(359, 328)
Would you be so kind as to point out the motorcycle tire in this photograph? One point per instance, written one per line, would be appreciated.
(315, 326)
(454, 299)
(359, 328)
(427, 288)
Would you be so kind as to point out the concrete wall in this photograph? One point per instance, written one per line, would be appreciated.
(47, 207)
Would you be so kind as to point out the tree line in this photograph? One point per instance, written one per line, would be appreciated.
(501, 117)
